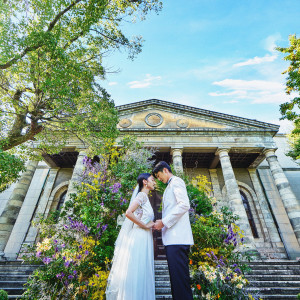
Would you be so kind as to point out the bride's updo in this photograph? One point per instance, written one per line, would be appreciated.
(141, 177)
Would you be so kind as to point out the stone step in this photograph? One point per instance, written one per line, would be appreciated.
(274, 290)
(161, 267)
(278, 297)
(14, 291)
(274, 267)
(274, 262)
(16, 272)
(158, 297)
(163, 291)
(161, 272)
(279, 284)
(274, 272)
(21, 277)
(11, 283)
(13, 297)
(162, 284)
(273, 277)
(162, 277)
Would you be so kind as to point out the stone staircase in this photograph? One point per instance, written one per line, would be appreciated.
(162, 280)
(13, 276)
(278, 279)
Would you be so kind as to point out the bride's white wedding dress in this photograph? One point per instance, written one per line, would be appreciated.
(132, 273)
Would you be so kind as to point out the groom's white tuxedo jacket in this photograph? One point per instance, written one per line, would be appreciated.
(175, 214)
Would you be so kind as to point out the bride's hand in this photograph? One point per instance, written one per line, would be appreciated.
(149, 225)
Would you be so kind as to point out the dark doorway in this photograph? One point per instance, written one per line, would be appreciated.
(159, 250)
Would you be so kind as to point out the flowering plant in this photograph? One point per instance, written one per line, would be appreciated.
(76, 252)
(216, 257)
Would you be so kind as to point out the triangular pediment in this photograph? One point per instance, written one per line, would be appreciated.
(162, 115)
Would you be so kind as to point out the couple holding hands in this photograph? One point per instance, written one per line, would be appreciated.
(132, 273)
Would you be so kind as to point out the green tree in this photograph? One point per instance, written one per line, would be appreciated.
(290, 110)
(51, 66)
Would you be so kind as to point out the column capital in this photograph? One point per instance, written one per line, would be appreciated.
(177, 151)
(251, 170)
(222, 150)
(269, 152)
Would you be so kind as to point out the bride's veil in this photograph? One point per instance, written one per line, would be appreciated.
(120, 256)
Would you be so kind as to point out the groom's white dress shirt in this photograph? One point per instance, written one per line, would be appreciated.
(175, 214)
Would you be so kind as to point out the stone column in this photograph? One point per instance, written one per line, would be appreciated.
(40, 210)
(216, 186)
(266, 214)
(177, 160)
(289, 200)
(234, 198)
(14, 204)
(26, 214)
(76, 176)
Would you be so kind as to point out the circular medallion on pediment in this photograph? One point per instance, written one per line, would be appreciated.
(182, 123)
(154, 119)
(125, 123)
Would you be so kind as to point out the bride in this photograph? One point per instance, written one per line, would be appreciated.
(132, 273)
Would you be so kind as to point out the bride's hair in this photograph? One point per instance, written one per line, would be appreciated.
(140, 179)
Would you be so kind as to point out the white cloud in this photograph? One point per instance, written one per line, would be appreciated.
(112, 83)
(256, 60)
(148, 81)
(258, 91)
(238, 84)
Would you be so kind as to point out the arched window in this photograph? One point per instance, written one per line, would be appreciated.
(249, 214)
(61, 201)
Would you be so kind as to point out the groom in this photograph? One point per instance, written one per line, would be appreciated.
(176, 230)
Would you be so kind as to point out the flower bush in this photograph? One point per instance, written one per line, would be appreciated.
(76, 249)
(216, 259)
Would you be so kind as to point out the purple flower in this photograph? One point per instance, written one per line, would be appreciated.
(208, 255)
(86, 252)
(63, 245)
(70, 277)
(64, 258)
(55, 241)
(79, 256)
(98, 225)
(56, 250)
(104, 227)
(97, 275)
(80, 247)
(47, 260)
(75, 272)
(238, 270)
(66, 282)
(67, 263)
(38, 254)
(227, 278)
(66, 226)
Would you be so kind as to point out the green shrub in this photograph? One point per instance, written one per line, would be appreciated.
(3, 295)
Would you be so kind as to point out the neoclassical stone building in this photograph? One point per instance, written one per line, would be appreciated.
(243, 158)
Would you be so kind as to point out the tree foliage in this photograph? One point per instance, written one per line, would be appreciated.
(290, 110)
(50, 71)
(10, 168)
(51, 65)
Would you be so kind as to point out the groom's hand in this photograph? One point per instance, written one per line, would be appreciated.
(158, 225)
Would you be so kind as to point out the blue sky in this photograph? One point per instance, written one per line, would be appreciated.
(212, 54)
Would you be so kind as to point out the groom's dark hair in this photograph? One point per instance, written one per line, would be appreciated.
(159, 168)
